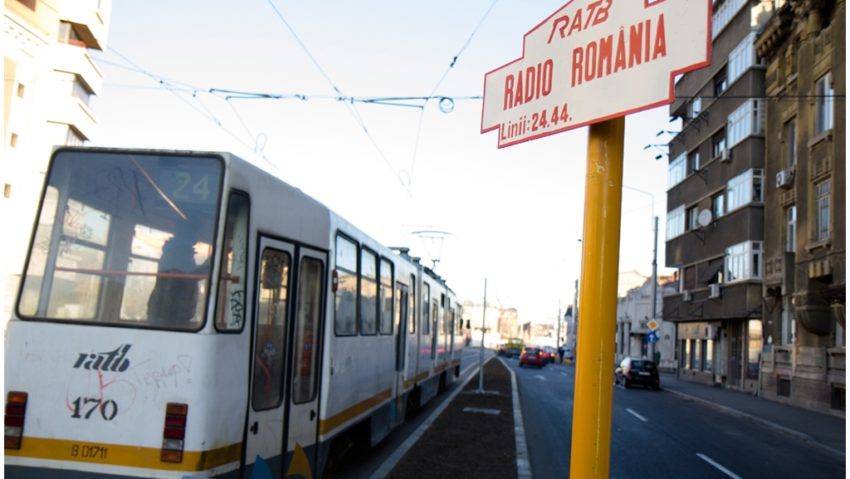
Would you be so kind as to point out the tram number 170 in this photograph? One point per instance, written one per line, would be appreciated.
(85, 407)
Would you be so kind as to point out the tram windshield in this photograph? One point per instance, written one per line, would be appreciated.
(124, 239)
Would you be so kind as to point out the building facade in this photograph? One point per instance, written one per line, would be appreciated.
(49, 81)
(634, 311)
(715, 202)
(803, 47)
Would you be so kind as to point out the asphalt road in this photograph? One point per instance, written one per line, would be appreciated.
(657, 434)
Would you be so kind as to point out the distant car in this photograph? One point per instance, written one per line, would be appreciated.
(532, 356)
(501, 350)
(551, 353)
(632, 371)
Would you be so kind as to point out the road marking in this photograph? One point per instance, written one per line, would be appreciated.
(482, 410)
(637, 415)
(718, 466)
(540, 377)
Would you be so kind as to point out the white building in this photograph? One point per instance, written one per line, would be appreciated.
(634, 312)
(49, 80)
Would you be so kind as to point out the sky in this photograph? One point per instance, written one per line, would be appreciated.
(404, 172)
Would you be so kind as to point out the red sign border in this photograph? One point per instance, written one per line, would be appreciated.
(670, 98)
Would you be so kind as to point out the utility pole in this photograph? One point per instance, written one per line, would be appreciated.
(481, 350)
(654, 280)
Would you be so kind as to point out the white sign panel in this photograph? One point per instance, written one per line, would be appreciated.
(593, 60)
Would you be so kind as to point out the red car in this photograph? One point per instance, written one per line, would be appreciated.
(532, 356)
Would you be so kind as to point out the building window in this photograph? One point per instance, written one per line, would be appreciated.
(73, 137)
(718, 144)
(791, 143)
(675, 222)
(695, 107)
(742, 58)
(791, 229)
(676, 171)
(28, 3)
(720, 83)
(789, 327)
(20, 90)
(822, 213)
(686, 358)
(691, 217)
(693, 161)
(825, 104)
(13, 140)
(74, 86)
(743, 261)
(744, 189)
(746, 120)
(695, 354)
(724, 14)
(708, 362)
(839, 335)
(754, 345)
(717, 204)
(68, 34)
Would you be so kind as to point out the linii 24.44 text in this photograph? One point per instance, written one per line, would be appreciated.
(538, 121)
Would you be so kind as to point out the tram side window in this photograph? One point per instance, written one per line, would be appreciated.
(304, 373)
(230, 314)
(426, 309)
(345, 304)
(273, 293)
(411, 301)
(368, 292)
(386, 320)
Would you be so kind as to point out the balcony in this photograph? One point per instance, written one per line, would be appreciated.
(70, 110)
(89, 21)
(68, 58)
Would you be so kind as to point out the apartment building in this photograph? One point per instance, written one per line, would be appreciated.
(803, 47)
(715, 201)
(50, 79)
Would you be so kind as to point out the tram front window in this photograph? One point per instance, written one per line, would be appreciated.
(124, 239)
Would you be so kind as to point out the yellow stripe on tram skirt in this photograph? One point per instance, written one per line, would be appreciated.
(123, 455)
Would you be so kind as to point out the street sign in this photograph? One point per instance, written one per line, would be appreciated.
(652, 324)
(652, 338)
(593, 60)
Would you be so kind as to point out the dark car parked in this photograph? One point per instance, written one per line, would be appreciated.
(632, 371)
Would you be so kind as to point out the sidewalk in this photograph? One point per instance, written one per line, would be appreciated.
(821, 430)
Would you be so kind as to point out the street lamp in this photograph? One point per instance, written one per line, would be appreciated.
(654, 259)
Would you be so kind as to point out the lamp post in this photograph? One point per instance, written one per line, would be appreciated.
(481, 349)
(654, 260)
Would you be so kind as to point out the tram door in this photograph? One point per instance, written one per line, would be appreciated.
(283, 406)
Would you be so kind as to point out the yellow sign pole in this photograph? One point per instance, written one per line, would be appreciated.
(591, 439)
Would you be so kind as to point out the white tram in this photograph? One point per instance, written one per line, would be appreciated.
(187, 314)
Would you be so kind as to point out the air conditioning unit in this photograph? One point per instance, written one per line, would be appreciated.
(686, 296)
(714, 290)
(726, 155)
(785, 179)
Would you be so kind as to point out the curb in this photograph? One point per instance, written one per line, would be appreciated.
(764, 422)
(523, 466)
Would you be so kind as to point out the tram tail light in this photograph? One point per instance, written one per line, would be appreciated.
(174, 432)
(16, 410)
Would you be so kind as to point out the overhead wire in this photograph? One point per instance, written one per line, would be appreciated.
(440, 82)
(174, 87)
(352, 109)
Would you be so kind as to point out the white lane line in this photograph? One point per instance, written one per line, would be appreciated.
(540, 377)
(637, 415)
(718, 466)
